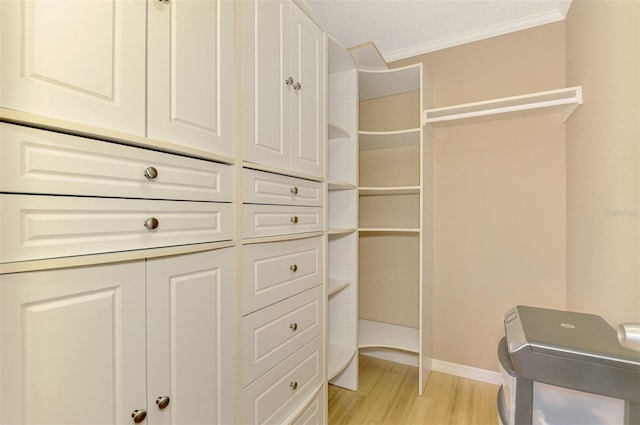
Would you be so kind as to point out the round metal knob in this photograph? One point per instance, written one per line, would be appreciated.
(151, 173)
(294, 219)
(293, 268)
(139, 415)
(293, 326)
(151, 223)
(163, 402)
(289, 81)
(297, 86)
(294, 385)
(294, 190)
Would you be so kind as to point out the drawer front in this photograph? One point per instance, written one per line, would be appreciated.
(36, 227)
(267, 188)
(313, 413)
(277, 270)
(274, 220)
(280, 392)
(45, 162)
(273, 333)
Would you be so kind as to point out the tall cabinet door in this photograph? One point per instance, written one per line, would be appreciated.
(81, 61)
(191, 74)
(190, 341)
(308, 125)
(265, 82)
(73, 345)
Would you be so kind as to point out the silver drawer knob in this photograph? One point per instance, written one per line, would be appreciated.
(293, 268)
(151, 223)
(294, 190)
(293, 326)
(151, 173)
(297, 86)
(294, 385)
(289, 81)
(163, 402)
(139, 415)
(294, 219)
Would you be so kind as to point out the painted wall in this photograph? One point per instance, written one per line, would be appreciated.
(603, 137)
(499, 193)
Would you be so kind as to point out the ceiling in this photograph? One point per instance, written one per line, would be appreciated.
(404, 28)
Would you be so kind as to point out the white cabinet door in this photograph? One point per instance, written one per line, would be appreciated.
(81, 61)
(73, 345)
(266, 59)
(308, 125)
(191, 338)
(191, 76)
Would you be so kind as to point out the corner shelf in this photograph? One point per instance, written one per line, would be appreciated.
(389, 139)
(336, 131)
(339, 358)
(399, 190)
(563, 100)
(337, 285)
(373, 334)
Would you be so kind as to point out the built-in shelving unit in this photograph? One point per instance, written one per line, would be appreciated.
(342, 218)
(563, 100)
(395, 305)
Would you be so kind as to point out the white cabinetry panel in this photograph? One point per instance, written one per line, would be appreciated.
(73, 335)
(275, 332)
(38, 161)
(35, 227)
(268, 188)
(76, 61)
(277, 270)
(272, 220)
(191, 75)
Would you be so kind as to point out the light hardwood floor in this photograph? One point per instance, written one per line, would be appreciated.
(388, 394)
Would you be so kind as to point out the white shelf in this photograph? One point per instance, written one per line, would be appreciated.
(399, 190)
(383, 335)
(341, 231)
(390, 229)
(564, 100)
(381, 83)
(367, 56)
(337, 285)
(339, 358)
(337, 132)
(336, 185)
(389, 139)
(339, 59)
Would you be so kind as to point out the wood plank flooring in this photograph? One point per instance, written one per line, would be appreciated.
(388, 394)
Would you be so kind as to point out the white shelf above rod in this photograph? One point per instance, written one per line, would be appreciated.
(564, 100)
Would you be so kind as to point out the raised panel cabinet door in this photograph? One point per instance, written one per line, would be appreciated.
(80, 61)
(308, 123)
(191, 74)
(73, 345)
(265, 81)
(191, 336)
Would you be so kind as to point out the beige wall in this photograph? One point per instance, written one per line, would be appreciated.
(499, 193)
(603, 55)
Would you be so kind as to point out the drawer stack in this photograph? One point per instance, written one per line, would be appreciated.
(66, 195)
(282, 300)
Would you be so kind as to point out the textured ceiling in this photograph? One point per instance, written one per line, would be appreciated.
(403, 28)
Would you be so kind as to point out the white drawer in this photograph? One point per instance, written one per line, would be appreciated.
(279, 393)
(275, 332)
(273, 220)
(45, 162)
(36, 227)
(266, 188)
(313, 412)
(277, 270)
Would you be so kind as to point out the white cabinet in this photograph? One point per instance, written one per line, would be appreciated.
(78, 346)
(283, 54)
(102, 63)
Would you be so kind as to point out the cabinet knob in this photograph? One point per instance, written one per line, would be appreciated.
(294, 190)
(293, 326)
(293, 268)
(289, 81)
(294, 385)
(151, 173)
(163, 402)
(294, 219)
(151, 223)
(297, 86)
(139, 415)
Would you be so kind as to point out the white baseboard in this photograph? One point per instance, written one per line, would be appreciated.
(463, 371)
